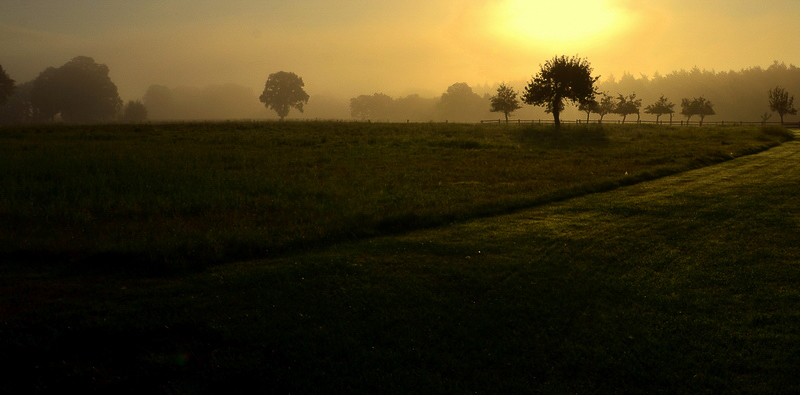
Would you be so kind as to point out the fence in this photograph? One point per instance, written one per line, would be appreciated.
(639, 122)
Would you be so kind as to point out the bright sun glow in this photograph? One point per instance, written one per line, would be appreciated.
(558, 22)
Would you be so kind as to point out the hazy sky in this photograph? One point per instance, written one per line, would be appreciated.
(350, 47)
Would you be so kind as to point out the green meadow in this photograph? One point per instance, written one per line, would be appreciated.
(399, 258)
(166, 196)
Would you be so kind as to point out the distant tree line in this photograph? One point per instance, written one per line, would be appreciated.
(736, 95)
(459, 103)
(570, 79)
(79, 91)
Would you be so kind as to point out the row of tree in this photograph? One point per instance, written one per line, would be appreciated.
(81, 91)
(564, 79)
(737, 95)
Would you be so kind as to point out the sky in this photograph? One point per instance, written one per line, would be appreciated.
(349, 47)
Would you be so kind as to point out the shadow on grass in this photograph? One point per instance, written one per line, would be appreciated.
(568, 137)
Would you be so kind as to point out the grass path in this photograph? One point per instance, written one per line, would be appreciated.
(685, 284)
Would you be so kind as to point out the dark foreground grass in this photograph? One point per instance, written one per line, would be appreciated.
(170, 196)
(687, 284)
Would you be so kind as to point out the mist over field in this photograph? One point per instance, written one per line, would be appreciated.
(212, 58)
(157, 237)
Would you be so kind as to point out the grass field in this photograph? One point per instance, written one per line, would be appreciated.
(166, 196)
(685, 284)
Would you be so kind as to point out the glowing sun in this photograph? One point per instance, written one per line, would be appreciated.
(558, 22)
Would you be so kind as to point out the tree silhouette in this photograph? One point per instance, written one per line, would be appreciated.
(6, 86)
(135, 111)
(505, 101)
(377, 107)
(461, 103)
(659, 108)
(18, 109)
(781, 102)
(560, 79)
(589, 107)
(627, 105)
(765, 117)
(697, 106)
(604, 106)
(80, 90)
(282, 91)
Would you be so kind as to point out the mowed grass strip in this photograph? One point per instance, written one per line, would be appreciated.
(687, 284)
(182, 195)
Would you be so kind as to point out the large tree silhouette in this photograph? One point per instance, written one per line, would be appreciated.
(283, 91)
(80, 90)
(560, 79)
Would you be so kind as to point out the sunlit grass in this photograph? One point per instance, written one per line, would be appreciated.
(190, 194)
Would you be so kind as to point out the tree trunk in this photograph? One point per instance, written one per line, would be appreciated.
(556, 119)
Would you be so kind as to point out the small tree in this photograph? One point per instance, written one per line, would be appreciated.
(605, 106)
(781, 102)
(659, 108)
(687, 110)
(505, 101)
(765, 118)
(697, 106)
(588, 107)
(282, 91)
(6, 86)
(135, 111)
(560, 79)
(704, 108)
(627, 105)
